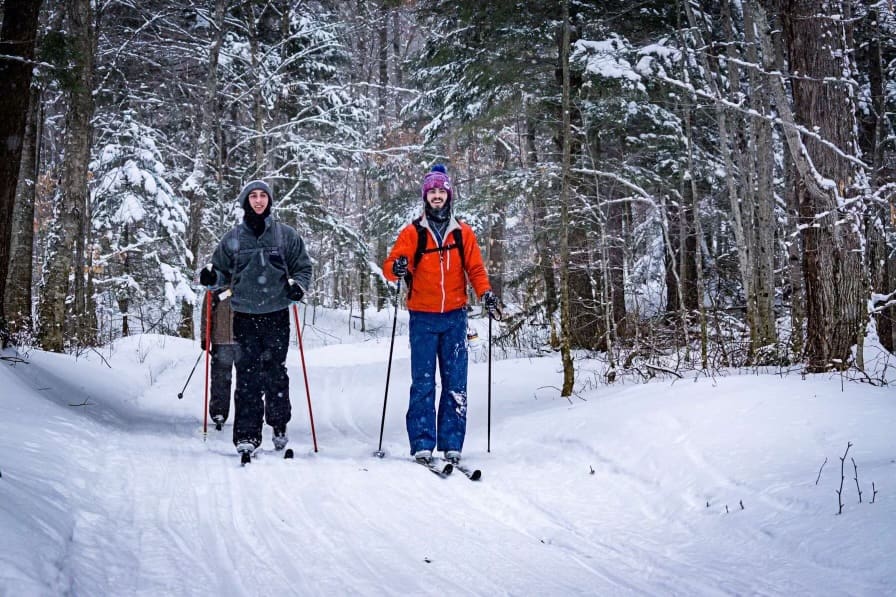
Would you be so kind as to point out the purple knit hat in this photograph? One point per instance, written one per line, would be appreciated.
(437, 178)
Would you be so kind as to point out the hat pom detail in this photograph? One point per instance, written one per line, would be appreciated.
(439, 168)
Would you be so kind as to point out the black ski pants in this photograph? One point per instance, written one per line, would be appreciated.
(223, 358)
(262, 385)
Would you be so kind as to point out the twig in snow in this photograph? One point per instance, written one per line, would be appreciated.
(559, 390)
(873, 492)
(86, 402)
(822, 468)
(741, 504)
(856, 469)
(842, 478)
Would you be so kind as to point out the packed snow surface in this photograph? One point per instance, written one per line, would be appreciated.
(707, 485)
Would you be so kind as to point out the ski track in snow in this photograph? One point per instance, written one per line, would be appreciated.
(157, 511)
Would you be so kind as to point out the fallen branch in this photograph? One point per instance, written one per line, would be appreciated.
(856, 469)
(663, 369)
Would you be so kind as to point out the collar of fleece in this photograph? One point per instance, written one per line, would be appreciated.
(255, 221)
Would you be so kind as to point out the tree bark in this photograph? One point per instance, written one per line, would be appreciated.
(17, 299)
(71, 207)
(541, 236)
(17, 40)
(763, 224)
(873, 133)
(565, 315)
(194, 188)
(831, 227)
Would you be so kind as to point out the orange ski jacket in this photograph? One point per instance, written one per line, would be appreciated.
(439, 283)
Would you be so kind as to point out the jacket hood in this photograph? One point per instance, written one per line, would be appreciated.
(254, 185)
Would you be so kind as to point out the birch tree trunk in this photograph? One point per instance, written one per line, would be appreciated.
(17, 39)
(72, 203)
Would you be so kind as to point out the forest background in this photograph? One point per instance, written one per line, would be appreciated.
(662, 185)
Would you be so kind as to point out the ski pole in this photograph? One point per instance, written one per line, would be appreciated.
(295, 312)
(379, 453)
(488, 446)
(489, 432)
(180, 394)
(208, 352)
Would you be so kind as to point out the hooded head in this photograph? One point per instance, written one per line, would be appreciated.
(255, 185)
(256, 222)
(437, 178)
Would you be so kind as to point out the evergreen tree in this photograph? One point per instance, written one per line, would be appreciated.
(140, 224)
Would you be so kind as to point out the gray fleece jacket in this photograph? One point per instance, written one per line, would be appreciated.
(258, 269)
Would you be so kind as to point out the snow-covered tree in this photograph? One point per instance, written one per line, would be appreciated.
(140, 224)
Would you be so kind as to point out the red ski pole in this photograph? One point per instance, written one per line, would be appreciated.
(208, 351)
(295, 312)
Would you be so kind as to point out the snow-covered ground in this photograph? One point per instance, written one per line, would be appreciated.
(705, 486)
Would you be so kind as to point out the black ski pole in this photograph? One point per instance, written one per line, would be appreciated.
(379, 453)
(180, 394)
(489, 432)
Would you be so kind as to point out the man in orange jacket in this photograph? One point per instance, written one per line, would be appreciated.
(436, 271)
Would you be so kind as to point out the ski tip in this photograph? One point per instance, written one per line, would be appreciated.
(245, 458)
(288, 455)
(476, 475)
(448, 469)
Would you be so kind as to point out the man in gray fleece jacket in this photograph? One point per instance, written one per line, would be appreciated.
(265, 264)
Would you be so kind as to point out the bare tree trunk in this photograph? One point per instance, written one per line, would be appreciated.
(763, 225)
(193, 187)
(873, 136)
(258, 111)
(541, 234)
(72, 205)
(796, 280)
(565, 132)
(690, 188)
(728, 134)
(836, 281)
(17, 300)
(496, 226)
(17, 40)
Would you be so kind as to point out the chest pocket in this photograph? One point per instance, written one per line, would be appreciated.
(258, 257)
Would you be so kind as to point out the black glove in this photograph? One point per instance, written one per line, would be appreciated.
(400, 267)
(294, 292)
(207, 276)
(491, 302)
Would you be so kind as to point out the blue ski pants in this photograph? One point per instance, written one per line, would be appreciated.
(438, 337)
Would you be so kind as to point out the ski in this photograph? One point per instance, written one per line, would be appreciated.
(473, 474)
(288, 455)
(442, 471)
(245, 458)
